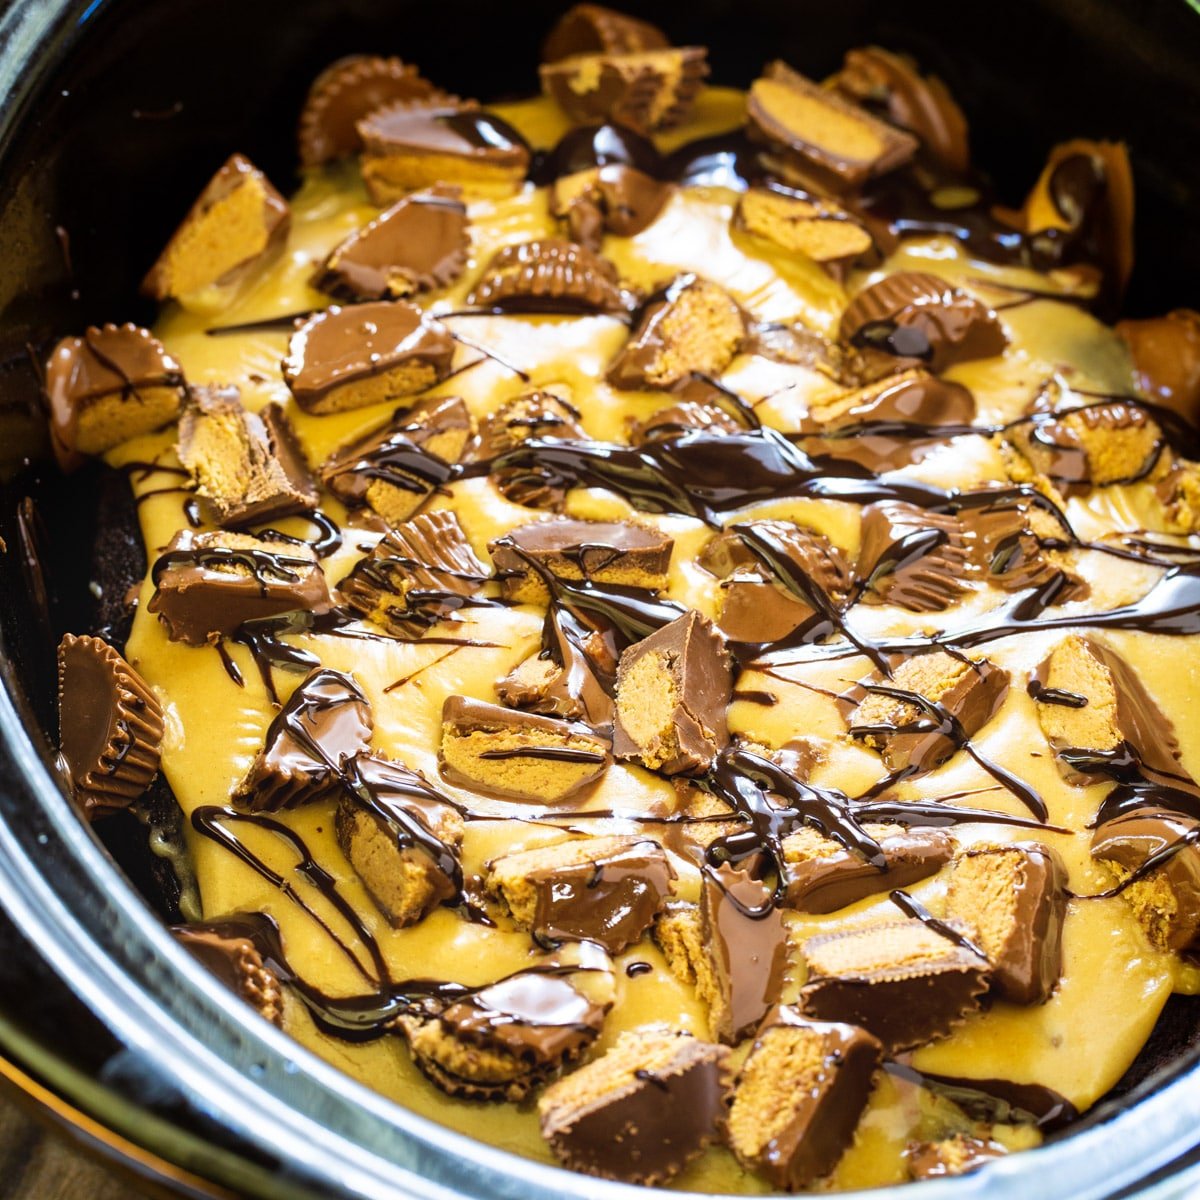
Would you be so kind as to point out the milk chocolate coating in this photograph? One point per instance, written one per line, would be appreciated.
(603, 551)
(681, 418)
(458, 129)
(207, 585)
(957, 1155)
(614, 198)
(915, 318)
(550, 275)
(594, 29)
(237, 963)
(912, 557)
(341, 346)
(746, 942)
(109, 361)
(650, 1125)
(419, 244)
(1166, 360)
(823, 1107)
(693, 663)
(326, 721)
(344, 93)
(110, 725)
(837, 876)
(904, 1002)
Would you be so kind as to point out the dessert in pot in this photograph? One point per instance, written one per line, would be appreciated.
(667, 615)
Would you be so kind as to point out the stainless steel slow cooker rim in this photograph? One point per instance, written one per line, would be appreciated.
(112, 953)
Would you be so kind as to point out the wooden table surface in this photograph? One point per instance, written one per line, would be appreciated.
(37, 1164)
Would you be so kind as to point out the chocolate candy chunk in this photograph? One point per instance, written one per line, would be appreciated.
(899, 980)
(693, 326)
(1014, 899)
(1098, 716)
(1094, 446)
(401, 836)
(1166, 898)
(345, 358)
(800, 224)
(957, 1155)
(419, 244)
(411, 146)
(614, 198)
(814, 136)
(593, 29)
(550, 275)
(642, 1111)
(207, 584)
(114, 383)
(758, 604)
(908, 556)
(1178, 492)
(237, 963)
(1166, 360)
(672, 692)
(532, 415)
(326, 721)
(647, 91)
(415, 576)
(518, 754)
(891, 85)
(914, 318)
(822, 875)
(745, 943)
(236, 226)
(605, 552)
(905, 732)
(677, 933)
(110, 725)
(606, 890)
(394, 469)
(502, 1041)
(686, 417)
(248, 467)
(349, 90)
(799, 1096)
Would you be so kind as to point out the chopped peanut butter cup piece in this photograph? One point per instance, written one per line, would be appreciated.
(114, 383)
(817, 137)
(247, 466)
(641, 1111)
(606, 890)
(909, 556)
(1166, 360)
(822, 875)
(532, 415)
(594, 29)
(344, 93)
(419, 244)
(518, 754)
(236, 226)
(957, 1155)
(110, 725)
(616, 552)
(693, 326)
(899, 980)
(407, 147)
(401, 836)
(1155, 860)
(645, 90)
(1014, 898)
(799, 1096)
(502, 1041)
(913, 318)
(745, 943)
(672, 692)
(614, 198)
(909, 733)
(677, 933)
(687, 416)
(1098, 716)
(804, 225)
(415, 576)
(1178, 491)
(550, 275)
(345, 358)
(393, 470)
(326, 721)
(890, 84)
(225, 950)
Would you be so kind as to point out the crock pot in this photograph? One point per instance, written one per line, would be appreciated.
(111, 113)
